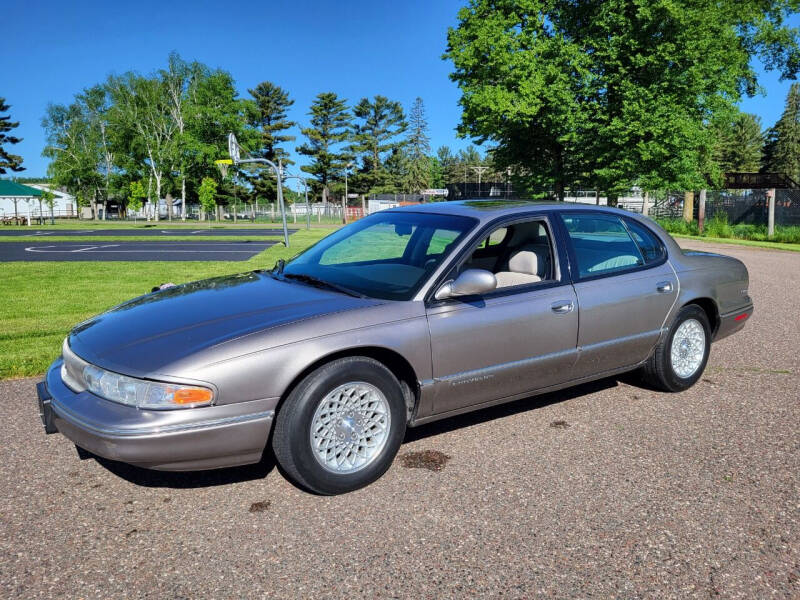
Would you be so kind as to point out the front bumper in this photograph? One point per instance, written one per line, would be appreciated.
(169, 440)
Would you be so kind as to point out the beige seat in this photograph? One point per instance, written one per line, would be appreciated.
(525, 266)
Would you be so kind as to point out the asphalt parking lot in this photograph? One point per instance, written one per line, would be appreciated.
(130, 251)
(608, 490)
(144, 231)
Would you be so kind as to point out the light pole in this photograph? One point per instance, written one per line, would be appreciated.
(479, 171)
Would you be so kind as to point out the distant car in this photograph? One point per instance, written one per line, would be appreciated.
(404, 317)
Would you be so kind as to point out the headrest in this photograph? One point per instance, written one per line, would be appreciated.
(524, 261)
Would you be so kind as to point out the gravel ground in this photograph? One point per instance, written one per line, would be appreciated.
(607, 490)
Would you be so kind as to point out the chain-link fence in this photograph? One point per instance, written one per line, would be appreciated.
(738, 206)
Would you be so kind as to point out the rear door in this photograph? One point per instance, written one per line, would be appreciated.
(624, 285)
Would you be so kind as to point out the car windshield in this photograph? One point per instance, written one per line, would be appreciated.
(387, 255)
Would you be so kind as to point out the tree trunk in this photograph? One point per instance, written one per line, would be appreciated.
(105, 208)
(688, 206)
(183, 198)
(149, 197)
(16, 212)
(169, 200)
(157, 213)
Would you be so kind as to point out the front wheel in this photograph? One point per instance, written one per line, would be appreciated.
(681, 356)
(341, 427)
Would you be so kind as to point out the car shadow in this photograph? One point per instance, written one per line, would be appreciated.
(500, 411)
(189, 479)
(202, 479)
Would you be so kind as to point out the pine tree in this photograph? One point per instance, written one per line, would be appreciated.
(331, 124)
(784, 151)
(376, 139)
(419, 164)
(268, 115)
(8, 161)
(740, 144)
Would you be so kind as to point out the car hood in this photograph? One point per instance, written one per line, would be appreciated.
(147, 334)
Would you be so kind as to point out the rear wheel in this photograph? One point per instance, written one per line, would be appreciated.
(681, 356)
(341, 427)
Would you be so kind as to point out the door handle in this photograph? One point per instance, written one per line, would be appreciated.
(561, 307)
(664, 287)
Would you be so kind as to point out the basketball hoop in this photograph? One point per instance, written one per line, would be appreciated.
(223, 165)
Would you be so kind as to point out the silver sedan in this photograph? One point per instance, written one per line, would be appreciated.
(404, 317)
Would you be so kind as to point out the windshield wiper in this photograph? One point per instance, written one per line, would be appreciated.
(311, 280)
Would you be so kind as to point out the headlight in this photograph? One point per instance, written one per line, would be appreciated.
(144, 394)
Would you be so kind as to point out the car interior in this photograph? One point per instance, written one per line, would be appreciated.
(517, 254)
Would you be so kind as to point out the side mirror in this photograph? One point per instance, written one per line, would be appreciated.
(471, 282)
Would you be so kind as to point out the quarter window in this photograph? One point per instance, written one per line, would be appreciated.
(651, 247)
(602, 244)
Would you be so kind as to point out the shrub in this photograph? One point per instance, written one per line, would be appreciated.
(718, 226)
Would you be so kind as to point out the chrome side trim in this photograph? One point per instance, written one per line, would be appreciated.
(68, 415)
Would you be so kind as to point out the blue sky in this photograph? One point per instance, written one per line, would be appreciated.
(355, 48)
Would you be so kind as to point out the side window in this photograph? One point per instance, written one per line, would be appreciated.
(651, 247)
(602, 244)
(518, 254)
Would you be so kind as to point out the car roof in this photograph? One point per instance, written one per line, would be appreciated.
(487, 210)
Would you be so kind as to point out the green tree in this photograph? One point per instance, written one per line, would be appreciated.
(449, 163)
(207, 194)
(616, 92)
(783, 145)
(376, 137)
(74, 152)
(141, 115)
(330, 127)
(47, 198)
(267, 114)
(419, 147)
(739, 144)
(8, 161)
(436, 172)
(136, 196)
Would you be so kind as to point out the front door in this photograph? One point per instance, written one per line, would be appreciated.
(520, 338)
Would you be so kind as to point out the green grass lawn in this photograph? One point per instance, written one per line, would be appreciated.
(41, 301)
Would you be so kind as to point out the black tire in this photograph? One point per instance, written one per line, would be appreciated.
(658, 371)
(291, 440)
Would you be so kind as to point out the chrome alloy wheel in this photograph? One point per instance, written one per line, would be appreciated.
(688, 348)
(350, 427)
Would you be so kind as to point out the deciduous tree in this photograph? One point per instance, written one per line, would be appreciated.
(612, 92)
